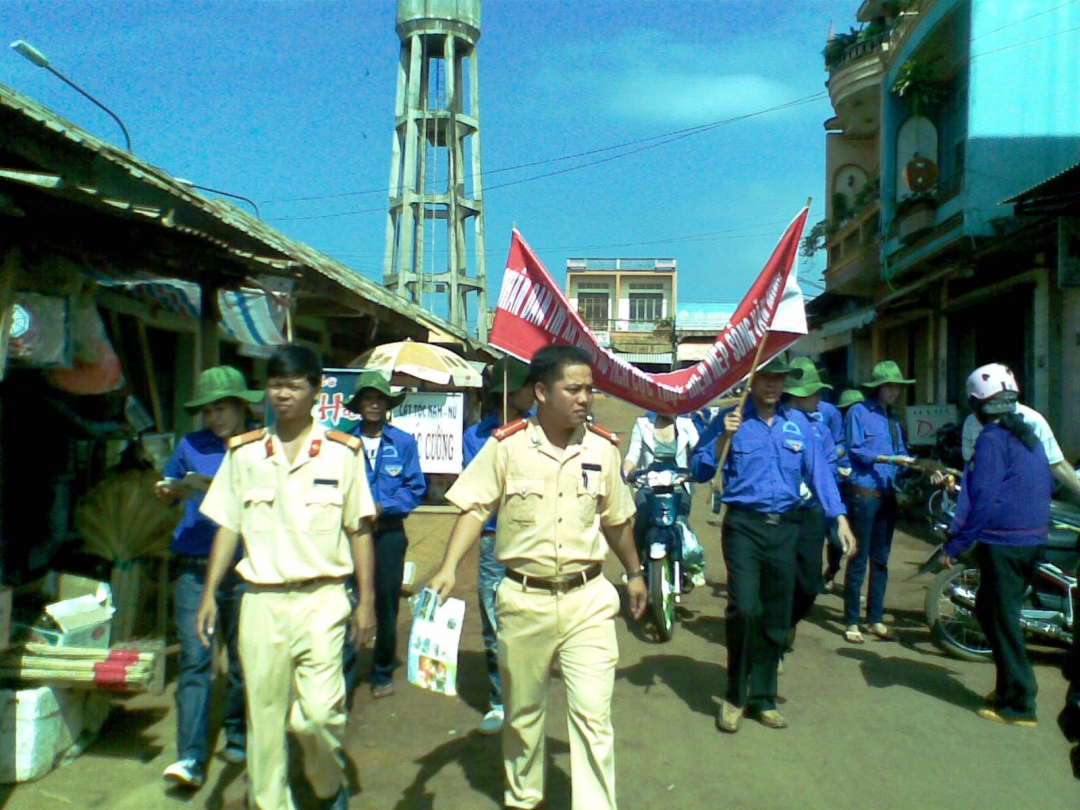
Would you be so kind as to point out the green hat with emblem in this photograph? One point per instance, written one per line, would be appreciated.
(803, 379)
(221, 382)
(884, 373)
(516, 372)
(377, 381)
(849, 398)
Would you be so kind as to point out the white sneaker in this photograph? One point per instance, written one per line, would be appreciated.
(186, 773)
(698, 579)
(492, 722)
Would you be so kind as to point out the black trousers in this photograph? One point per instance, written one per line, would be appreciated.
(390, 546)
(808, 576)
(760, 560)
(1004, 574)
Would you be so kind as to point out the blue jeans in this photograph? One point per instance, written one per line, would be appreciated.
(489, 576)
(873, 520)
(193, 683)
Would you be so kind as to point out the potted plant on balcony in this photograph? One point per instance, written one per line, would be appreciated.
(913, 214)
(917, 82)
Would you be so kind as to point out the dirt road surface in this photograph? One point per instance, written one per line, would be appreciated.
(882, 725)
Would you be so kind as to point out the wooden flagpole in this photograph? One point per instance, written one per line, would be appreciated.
(506, 382)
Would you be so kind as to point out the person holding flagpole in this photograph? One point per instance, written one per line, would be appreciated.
(771, 453)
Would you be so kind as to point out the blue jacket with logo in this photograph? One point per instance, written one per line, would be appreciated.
(396, 482)
(767, 463)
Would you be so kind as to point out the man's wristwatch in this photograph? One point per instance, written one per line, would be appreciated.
(634, 575)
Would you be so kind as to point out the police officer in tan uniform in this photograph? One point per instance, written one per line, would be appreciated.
(561, 500)
(298, 495)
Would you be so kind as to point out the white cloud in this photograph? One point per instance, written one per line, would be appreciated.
(646, 75)
(692, 98)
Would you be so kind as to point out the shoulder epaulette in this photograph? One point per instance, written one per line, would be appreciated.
(246, 438)
(347, 439)
(509, 430)
(607, 434)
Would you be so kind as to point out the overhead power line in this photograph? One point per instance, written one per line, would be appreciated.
(632, 148)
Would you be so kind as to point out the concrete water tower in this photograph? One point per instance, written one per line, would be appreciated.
(435, 222)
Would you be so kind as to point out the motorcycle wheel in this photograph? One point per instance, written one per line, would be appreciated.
(662, 597)
(953, 627)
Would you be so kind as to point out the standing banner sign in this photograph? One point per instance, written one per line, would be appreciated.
(533, 312)
(435, 419)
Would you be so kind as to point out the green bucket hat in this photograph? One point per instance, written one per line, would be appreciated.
(803, 380)
(221, 382)
(849, 398)
(886, 372)
(778, 365)
(376, 380)
(517, 375)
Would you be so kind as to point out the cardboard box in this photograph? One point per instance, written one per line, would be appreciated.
(81, 618)
(6, 598)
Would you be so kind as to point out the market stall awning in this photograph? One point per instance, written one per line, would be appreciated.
(846, 323)
(253, 317)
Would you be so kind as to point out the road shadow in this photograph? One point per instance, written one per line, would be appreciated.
(935, 681)
(695, 682)
(226, 776)
(125, 736)
(480, 759)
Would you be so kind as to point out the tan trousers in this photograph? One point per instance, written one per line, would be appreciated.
(535, 626)
(290, 648)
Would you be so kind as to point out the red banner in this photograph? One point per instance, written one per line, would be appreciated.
(533, 312)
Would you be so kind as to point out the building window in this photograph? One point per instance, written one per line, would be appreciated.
(593, 308)
(646, 307)
(647, 285)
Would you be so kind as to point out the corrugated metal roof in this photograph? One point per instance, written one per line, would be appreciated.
(292, 256)
(1067, 180)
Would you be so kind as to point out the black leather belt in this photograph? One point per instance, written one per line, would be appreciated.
(864, 491)
(560, 584)
(769, 518)
(195, 562)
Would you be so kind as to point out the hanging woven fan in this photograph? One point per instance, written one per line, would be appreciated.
(121, 520)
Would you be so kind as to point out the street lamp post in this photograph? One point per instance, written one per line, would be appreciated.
(32, 54)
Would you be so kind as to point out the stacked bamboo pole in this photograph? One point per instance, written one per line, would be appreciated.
(115, 670)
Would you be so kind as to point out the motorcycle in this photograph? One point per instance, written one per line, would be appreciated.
(663, 540)
(1047, 615)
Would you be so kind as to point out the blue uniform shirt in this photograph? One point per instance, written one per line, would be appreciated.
(869, 434)
(475, 438)
(200, 452)
(835, 420)
(1004, 496)
(396, 482)
(823, 435)
(767, 462)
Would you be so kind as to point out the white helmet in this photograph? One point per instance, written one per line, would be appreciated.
(993, 381)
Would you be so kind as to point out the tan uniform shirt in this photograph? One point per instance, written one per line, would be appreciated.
(551, 502)
(292, 517)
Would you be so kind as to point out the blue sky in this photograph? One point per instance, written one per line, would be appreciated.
(278, 101)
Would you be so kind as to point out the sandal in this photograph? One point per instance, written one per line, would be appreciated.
(383, 690)
(853, 636)
(879, 630)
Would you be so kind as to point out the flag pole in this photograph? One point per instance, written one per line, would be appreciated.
(506, 376)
